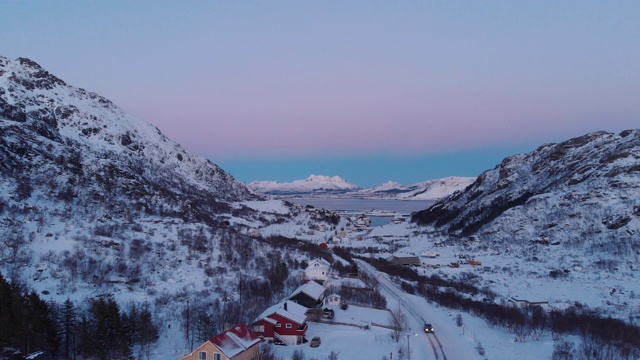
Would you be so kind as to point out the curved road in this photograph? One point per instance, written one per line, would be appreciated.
(422, 345)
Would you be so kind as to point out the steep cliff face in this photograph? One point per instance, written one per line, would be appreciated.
(72, 144)
(586, 188)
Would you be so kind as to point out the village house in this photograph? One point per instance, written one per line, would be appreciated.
(333, 299)
(238, 343)
(522, 303)
(285, 322)
(317, 270)
(401, 259)
(362, 222)
(309, 295)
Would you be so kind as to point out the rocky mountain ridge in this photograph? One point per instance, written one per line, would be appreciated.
(583, 191)
(43, 117)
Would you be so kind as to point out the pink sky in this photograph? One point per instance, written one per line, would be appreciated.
(247, 80)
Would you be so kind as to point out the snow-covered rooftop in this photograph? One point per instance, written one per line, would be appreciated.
(311, 288)
(288, 309)
(235, 340)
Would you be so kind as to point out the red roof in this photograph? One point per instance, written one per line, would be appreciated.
(235, 340)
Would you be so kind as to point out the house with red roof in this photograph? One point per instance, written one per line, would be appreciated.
(285, 322)
(238, 343)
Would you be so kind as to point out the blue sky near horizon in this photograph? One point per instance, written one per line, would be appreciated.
(367, 90)
(371, 171)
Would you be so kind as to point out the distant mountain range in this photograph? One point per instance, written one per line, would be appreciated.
(326, 186)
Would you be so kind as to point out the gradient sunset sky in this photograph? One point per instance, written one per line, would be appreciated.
(367, 90)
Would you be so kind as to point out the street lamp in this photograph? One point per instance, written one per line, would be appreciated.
(409, 346)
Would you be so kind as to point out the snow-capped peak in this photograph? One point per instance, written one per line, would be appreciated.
(388, 185)
(323, 179)
(312, 184)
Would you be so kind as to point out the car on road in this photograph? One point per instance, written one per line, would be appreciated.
(428, 328)
(315, 342)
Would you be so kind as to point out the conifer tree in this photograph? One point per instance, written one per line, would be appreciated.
(68, 329)
(26, 321)
(6, 319)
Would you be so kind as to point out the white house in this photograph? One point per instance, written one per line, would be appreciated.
(333, 299)
(318, 269)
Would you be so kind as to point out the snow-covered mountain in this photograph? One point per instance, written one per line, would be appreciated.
(325, 186)
(313, 185)
(95, 201)
(580, 192)
(426, 190)
(82, 144)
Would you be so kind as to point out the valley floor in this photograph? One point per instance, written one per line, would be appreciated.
(352, 342)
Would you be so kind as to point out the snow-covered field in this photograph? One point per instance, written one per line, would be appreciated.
(356, 343)
(518, 272)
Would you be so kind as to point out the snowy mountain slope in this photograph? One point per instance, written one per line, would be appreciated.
(325, 186)
(94, 201)
(582, 191)
(73, 123)
(426, 190)
(314, 184)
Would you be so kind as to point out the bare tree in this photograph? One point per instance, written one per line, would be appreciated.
(298, 354)
(562, 350)
(398, 323)
(538, 322)
(459, 321)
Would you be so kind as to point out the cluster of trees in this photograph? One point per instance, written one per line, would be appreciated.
(105, 331)
(102, 331)
(367, 297)
(201, 320)
(27, 323)
(313, 250)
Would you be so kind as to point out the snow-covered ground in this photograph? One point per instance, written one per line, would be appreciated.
(358, 343)
(363, 341)
(516, 271)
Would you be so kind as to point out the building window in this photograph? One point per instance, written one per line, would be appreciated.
(258, 328)
(289, 326)
(202, 355)
(217, 356)
(278, 325)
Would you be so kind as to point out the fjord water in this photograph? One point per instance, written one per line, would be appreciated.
(397, 206)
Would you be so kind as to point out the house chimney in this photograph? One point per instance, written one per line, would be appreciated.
(285, 305)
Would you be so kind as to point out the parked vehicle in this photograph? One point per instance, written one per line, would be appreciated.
(328, 313)
(315, 342)
(428, 328)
